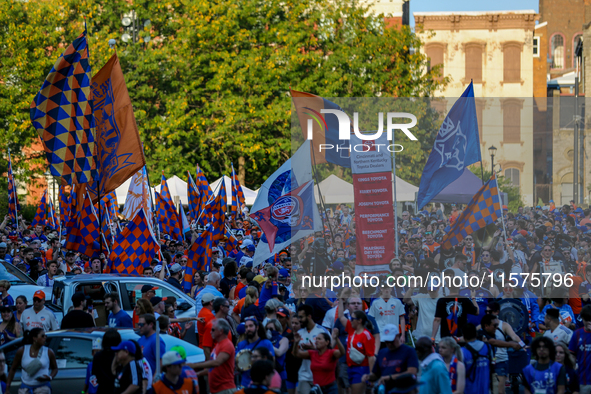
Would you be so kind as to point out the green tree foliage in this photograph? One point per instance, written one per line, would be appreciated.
(505, 186)
(210, 86)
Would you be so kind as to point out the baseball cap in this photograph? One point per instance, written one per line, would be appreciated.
(39, 294)
(283, 312)
(125, 345)
(158, 268)
(207, 297)
(156, 300)
(284, 273)
(215, 249)
(259, 279)
(176, 267)
(338, 265)
(172, 358)
(3, 245)
(389, 332)
(147, 288)
(180, 350)
(250, 248)
(245, 243)
(245, 260)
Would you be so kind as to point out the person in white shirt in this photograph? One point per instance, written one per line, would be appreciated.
(388, 310)
(330, 317)
(47, 279)
(426, 304)
(308, 334)
(556, 331)
(38, 315)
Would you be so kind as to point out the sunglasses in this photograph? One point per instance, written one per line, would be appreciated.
(141, 324)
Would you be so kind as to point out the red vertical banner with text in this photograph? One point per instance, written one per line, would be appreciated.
(371, 165)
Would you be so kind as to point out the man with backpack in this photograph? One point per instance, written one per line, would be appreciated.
(478, 361)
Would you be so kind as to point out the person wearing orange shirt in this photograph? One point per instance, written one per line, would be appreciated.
(242, 283)
(221, 308)
(205, 316)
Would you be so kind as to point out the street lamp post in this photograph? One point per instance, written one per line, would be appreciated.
(492, 151)
(132, 27)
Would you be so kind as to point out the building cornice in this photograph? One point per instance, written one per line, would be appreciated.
(492, 21)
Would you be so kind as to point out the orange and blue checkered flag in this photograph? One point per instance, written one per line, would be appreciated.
(198, 257)
(65, 206)
(206, 194)
(223, 196)
(231, 243)
(168, 219)
(41, 214)
(110, 202)
(84, 235)
(238, 200)
(135, 247)
(193, 197)
(484, 209)
(13, 205)
(62, 113)
(52, 219)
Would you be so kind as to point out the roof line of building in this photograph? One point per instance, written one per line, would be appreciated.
(472, 13)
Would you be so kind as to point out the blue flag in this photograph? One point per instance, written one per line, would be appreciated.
(457, 145)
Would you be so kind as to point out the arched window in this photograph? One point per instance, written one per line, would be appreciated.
(512, 175)
(557, 51)
(576, 38)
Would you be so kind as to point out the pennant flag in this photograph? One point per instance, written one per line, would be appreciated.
(84, 236)
(62, 113)
(223, 196)
(193, 197)
(168, 219)
(40, 216)
(483, 210)
(135, 247)
(285, 209)
(52, 219)
(456, 146)
(119, 149)
(138, 196)
(13, 205)
(198, 257)
(324, 128)
(65, 205)
(186, 228)
(238, 200)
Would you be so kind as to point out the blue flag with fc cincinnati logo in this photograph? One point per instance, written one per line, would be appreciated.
(285, 208)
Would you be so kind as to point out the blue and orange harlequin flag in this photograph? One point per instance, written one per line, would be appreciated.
(238, 200)
(41, 214)
(84, 235)
(13, 205)
(168, 219)
(483, 210)
(213, 213)
(206, 194)
(110, 202)
(199, 257)
(165, 191)
(62, 113)
(223, 196)
(135, 247)
(52, 219)
(65, 206)
(231, 243)
(193, 197)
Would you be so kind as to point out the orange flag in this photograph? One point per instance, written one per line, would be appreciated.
(120, 153)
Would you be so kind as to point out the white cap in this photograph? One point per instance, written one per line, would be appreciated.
(215, 249)
(388, 333)
(245, 243)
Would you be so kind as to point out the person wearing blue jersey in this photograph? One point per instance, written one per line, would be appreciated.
(256, 336)
(117, 316)
(580, 346)
(567, 316)
(147, 326)
(545, 375)
(478, 358)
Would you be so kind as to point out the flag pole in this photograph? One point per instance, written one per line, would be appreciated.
(154, 220)
(320, 194)
(395, 198)
(14, 186)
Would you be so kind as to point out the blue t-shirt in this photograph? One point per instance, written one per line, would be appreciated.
(245, 381)
(393, 362)
(8, 301)
(242, 292)
(148, 345)
(120, 319)
(566, 314)
(580, 346)
(477, 375)
(90, 381)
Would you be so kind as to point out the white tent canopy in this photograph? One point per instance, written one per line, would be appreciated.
(337, 191)
(249, 195)
(178, 189)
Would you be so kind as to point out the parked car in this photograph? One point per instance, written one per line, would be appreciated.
(73, 353)
(127, 287)
(21, 283)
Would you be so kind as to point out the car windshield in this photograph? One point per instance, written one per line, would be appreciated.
(14, 275)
